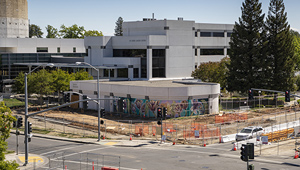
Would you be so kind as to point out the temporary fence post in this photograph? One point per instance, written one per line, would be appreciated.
(83, 126)
(142, 129)
(64, 123)
(87, 160)
(45, 121)
(105, 129)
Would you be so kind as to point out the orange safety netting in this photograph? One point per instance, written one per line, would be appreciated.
(141, 130)
(207, 133)
(226, 118)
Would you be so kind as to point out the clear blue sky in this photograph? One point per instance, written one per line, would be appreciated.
(101, 15)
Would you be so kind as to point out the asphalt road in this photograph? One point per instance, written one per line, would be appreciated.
(147, 157)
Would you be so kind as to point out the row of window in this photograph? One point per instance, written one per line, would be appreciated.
(10, 23)
(210, 52)
(213, 34)
(45, 49)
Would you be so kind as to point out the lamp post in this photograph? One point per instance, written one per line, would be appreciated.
(259, 98)
(98, 94)
(26, 111)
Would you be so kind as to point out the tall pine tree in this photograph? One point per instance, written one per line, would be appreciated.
(246, 69)
(280, 48)
(119, 27)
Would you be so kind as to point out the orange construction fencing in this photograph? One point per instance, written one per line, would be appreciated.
(141, 130)
(205, 133)
(233, 117)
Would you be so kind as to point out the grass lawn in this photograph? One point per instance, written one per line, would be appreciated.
(13, 102)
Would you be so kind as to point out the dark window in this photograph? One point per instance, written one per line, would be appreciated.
(106, 73)
(58, 49)
(122, 73)
(136, 73)
(74, 49)
(196, 52)
(86, 52)
(212, 52)
(229, 34)
(42, 49)
(218, 34)
(205, 34)
(196, 34)
(143, 67)
(158, 63)
(129, 52)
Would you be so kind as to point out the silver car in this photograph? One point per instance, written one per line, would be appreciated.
(248, 133)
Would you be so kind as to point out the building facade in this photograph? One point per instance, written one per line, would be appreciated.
(159, 49)
(14, 19)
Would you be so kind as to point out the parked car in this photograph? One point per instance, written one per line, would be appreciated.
(248, 133)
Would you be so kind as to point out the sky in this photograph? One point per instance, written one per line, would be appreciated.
(101, 15)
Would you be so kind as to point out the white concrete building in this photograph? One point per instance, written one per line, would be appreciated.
(14, 19)
(181, 98)
(154, 49)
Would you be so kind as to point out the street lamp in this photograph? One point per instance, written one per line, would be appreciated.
(26, 110)
(98, 94)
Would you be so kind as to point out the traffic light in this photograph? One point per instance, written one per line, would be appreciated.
(250, 94)
(165, 111)
(159, 112)
(251, 150)
(15, 122)
(67, 97)
(29, 127)
(287, 96)
(159, 122)
(19, 121)
(85, 104)
(244, 152)
(102, 112)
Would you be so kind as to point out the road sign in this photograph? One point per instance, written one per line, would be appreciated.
(196, 133)
(264, 139)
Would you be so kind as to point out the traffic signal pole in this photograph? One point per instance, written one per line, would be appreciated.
(26, 124)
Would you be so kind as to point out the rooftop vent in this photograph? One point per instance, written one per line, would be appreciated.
(180, 19)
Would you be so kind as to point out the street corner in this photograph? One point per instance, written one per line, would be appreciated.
(34, 161)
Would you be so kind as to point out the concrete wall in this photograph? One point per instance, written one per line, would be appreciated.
(29, 45)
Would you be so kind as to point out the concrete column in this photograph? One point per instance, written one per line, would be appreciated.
(149, 63)
(198, 56)
(115, 73)
(225, 51)
(111, 104)
(130, 72)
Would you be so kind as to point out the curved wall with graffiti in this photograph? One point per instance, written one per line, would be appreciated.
(175, 108)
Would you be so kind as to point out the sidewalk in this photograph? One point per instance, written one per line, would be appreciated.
(34, 161)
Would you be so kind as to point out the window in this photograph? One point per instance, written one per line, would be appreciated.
(106, 73)
(229, 34)
(122, 73)
(205, 34)
(74, 49)
(135, 72)
(42, 49)
(212, 52)
(158, 63)
(218, 34)
(129, 52)
(196, 52)
(58, 49)
(86, 52)
(196, 34)
(144, 67)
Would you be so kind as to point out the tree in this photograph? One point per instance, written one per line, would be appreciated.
(119, 27)
(6, 120)
(73, 31)
(35, 31)
(92, 33)
(61, 80)
(82, 75)
(51, 32)
(280, 48)
(19, 85)
(247, 54)
(296, 43)
(213, 72)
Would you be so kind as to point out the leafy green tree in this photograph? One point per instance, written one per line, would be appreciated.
(281, 51)
(41, 83)
(6, 120)
(213, 72)
(61, 80)
(35, 31)
(73, 31)
(19, 85)
(82, 75)
(119, 27)
(51, 32)
(296, 43)
(247, 54)
(92, 33)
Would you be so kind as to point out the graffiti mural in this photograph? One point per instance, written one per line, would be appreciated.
(175, 108)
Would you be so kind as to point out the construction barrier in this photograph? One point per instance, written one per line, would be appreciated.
(141, 130)
(202, 134)
(232, 117)
(279, 135)
(109, 168)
